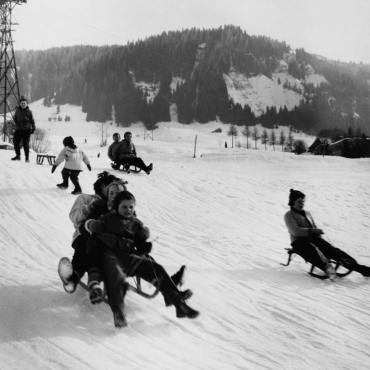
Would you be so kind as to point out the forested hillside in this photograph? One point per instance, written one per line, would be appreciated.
(185, 69)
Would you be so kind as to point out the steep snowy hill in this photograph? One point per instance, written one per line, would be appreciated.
(261, 92)
(221, 214)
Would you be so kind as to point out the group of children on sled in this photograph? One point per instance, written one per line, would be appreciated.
(111, 243)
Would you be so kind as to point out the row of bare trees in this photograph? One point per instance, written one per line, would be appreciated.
(266, 138)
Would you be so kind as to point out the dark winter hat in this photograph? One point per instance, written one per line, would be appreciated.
(294, 195)
(23, 98)
(127, 133)
(68, 141)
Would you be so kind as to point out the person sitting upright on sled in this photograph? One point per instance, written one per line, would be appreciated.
(307, 241)
(113, 151)
(127, 156)
(123, 240)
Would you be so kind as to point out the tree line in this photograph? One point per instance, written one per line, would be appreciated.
(103, 80)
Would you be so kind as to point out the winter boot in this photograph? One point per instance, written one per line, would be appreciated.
(27, 160)
(179, 277)
(69, 277)
(119, 320)
(76, 192)
(330, 272)
(126, 168)
(16, 158)
(183, 310)
(114, 166)
(185, 295)
(62, 186)
(149, 169)
(364, 270)
(96, 292)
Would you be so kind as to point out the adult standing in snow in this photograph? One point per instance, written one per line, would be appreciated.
(24, 128)
(113, 151)
(127, 155)
(73, 166)
(307, 241)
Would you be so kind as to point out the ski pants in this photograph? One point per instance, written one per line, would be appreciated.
(115, 264)
(306, 249)
(80, 258)
(22, 135)
(73, 175)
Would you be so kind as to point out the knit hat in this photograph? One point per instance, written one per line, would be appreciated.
(68, 141)
(23, 98)
(294, 195)
(127, 133)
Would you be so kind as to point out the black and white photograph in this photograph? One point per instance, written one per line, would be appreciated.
(184, 185)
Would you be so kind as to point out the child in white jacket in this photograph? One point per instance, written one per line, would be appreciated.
(73, 166)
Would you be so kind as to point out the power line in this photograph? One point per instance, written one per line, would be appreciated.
(76, 20)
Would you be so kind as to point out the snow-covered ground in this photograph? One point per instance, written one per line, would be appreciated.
(221, 214)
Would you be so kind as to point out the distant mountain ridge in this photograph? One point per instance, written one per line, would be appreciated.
(201, 75)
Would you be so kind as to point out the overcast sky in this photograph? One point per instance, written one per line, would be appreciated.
(336, 29)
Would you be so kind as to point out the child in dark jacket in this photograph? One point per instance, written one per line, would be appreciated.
(124, 240)
(73, 166)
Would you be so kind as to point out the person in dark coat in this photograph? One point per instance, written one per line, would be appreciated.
(307, 241)
(123, 238)
(24, 128)
(113, 151)
(127, 155)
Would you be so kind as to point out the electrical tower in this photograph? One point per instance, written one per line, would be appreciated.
(9, 88)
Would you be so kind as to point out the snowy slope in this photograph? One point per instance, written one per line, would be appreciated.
(260, 92)
(220, 214)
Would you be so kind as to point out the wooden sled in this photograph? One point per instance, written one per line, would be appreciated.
(291, 252)
(132, 168)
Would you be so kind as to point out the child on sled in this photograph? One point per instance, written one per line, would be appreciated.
(122, 240)
(307, 241)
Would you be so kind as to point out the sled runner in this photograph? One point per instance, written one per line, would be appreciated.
(131, 168)
(291, 252)
(137, 289)
(65, 271)
(126, 168)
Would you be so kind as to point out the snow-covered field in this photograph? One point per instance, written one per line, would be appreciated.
(221, 214)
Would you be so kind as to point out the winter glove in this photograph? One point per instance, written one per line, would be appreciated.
(144, 248)
(89, 167)
(33, 130)
(317, 232)
(53, 169)
(95, 227)
(142, 234)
